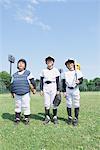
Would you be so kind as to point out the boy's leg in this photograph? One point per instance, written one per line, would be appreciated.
(69, 107)
(17, 108)
(69, 112)
(26, 119)
(52, 96)
(76, 111)
(75, 121)
(26, 107)
(76, 99)
(55, 120)
(47, 116)
(17, 117)
(47, 112)
(47, 107)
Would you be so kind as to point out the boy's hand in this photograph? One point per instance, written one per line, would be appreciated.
(13, 95)
(32, 89)
(58, 92)
(41, 93)
(77, 81)
(64, 94)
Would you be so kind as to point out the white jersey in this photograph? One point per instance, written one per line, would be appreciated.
(50, 75)
(70, 77)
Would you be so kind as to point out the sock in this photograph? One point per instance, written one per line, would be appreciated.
(69, 111)
(76, 111)
(54, 112)
(17, 115)
(47, 112)
(27, 116)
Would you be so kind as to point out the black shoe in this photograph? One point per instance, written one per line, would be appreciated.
(69, 120)
(55, 120)
(26, 121)
(75, 122)
(16, 121)
(47, 120)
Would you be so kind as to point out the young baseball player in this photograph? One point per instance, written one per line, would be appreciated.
(49, 85)
(20, 89)
(72, 78)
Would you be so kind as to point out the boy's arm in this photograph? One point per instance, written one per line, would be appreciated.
(57, 83)
(80, 80)
(13, 95)
(63, 85)
(32, 85)
(11, 88)
(41, 85)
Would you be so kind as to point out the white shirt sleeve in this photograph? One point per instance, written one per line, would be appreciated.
(79, 74)
(12, 79)
(42, 74)
(63, 75)
(57, 73)
(30, 77)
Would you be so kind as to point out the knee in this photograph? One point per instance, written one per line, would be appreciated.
(69, 104)
(47, 106)
(76, 103)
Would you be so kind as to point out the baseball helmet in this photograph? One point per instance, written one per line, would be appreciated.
(22, 60)
(49, 58)
(69, 61)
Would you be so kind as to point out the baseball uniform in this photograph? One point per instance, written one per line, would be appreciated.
(49, 85)
(70, 86)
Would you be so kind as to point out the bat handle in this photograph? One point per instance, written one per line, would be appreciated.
(75, 69)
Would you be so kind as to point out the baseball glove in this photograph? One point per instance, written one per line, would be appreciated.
(57, 100)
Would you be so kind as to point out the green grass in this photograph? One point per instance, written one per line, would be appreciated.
(36, 136)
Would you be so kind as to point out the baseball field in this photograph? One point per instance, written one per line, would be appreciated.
(36, 136)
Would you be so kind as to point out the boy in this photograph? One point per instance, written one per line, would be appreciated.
(72, 79)
(20, 90)
(49, 86)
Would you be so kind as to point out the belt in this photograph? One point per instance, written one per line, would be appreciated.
(72, 87)
(48, 82)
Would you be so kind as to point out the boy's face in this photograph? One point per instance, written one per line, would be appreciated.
(21, 66)
(50, 63)
(70, 66)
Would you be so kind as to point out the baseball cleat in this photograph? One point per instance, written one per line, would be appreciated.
(16, 121)
(55, 120)
(47, 120)
(26, 121)
(69, 120)
(75, 122)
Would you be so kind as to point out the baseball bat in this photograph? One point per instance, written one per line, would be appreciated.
(75, 64)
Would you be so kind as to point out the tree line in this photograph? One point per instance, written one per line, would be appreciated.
(87, 85)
